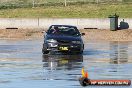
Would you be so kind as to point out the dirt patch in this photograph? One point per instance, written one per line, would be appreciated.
(90, 34)
(20, 33)
(107, 35)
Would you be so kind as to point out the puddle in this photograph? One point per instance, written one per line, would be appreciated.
(22, 64)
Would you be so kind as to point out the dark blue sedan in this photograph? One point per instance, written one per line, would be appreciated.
(63, 38)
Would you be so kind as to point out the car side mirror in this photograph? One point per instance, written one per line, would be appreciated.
(83, 34)
(44, 32)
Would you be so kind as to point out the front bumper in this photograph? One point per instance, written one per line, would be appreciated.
(64, 47)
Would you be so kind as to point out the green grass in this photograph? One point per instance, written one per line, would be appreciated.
(71, 11)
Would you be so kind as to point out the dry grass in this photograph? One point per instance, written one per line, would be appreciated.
(72, 11)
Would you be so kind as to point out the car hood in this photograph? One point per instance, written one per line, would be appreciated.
(63, 37)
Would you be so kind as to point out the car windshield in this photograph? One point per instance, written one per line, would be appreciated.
(63, 30)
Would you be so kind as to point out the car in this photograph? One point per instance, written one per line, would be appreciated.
(63, 38)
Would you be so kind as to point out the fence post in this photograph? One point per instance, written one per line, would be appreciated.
(33, 4)
(65, 3)
(97, 1)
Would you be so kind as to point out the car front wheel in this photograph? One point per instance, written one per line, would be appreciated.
(45, 51)
(80, 52)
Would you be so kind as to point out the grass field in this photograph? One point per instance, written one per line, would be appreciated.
(71, 11)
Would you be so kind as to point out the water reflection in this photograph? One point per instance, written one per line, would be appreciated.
(118, 52)
(59, 67)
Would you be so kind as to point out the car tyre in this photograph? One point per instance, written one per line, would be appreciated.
(45, 51)
(80, 52)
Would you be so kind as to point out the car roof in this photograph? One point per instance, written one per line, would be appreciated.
(64, 25)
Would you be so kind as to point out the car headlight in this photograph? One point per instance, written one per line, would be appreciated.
(51, 41)
(76, 42)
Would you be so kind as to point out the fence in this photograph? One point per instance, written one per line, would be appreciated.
(37, 3)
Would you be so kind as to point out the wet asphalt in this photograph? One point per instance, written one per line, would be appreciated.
(22, 65)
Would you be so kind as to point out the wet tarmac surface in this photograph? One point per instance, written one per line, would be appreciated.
(22, 64)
